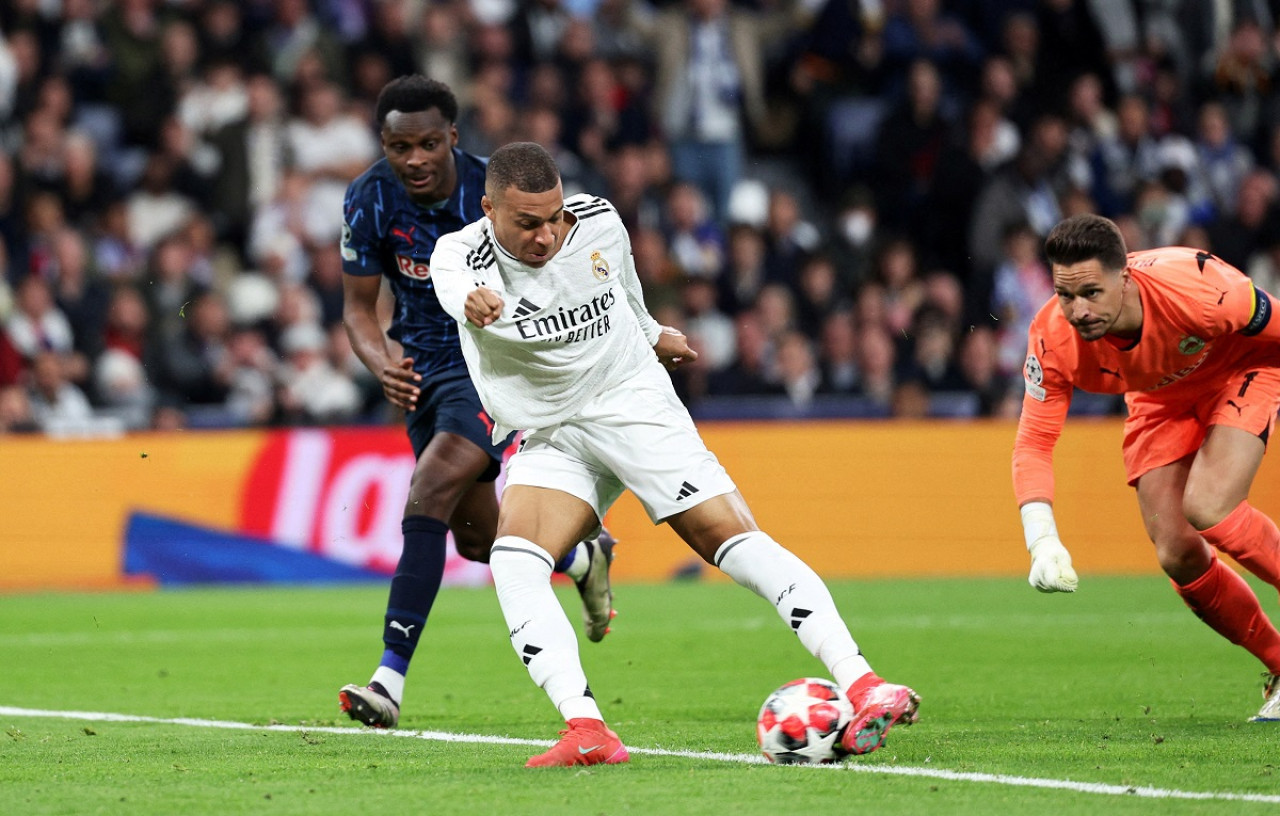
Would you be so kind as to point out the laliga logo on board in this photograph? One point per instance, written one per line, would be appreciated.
(339, 493)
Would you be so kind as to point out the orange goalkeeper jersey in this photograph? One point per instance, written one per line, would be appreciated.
(1202, 320)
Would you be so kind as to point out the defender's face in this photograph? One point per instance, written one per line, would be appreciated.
(1091, 297)
(419, 147)
(531, 226)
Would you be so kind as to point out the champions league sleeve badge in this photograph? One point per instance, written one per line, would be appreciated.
(1033, 373)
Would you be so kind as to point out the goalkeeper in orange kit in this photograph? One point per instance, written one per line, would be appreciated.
(1195, 348)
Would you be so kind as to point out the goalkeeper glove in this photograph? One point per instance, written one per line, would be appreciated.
(1050, 562)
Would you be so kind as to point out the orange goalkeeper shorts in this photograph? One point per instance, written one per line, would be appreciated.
(1161, 429)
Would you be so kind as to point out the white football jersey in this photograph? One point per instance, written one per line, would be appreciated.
(568, 330)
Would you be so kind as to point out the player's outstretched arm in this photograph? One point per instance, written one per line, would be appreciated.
(360, 318)
(1051, 569)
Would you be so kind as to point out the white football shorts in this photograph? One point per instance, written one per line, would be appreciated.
(637, 437)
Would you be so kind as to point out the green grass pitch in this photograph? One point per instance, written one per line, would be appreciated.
(1114, 700)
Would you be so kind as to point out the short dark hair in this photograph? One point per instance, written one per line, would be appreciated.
(1086, 237)
(413, 93)
(527, 166)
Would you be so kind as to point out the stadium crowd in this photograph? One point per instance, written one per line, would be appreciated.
(841, 202)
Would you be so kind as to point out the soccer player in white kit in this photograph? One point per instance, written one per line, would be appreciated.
(560, 346)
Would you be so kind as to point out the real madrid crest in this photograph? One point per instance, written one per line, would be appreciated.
(1190, 344)
(599, 266)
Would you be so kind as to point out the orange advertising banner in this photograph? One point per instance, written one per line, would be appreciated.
(854, 499)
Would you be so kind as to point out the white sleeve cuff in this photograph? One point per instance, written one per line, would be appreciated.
(1037, 522)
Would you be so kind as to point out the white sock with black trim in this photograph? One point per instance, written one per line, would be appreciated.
(540, 633)
(773, 572)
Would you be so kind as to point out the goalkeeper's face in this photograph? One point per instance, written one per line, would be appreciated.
(1093, 298)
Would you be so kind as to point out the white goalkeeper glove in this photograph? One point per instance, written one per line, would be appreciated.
(1050, 562)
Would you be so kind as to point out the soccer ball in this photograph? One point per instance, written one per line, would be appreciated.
(803, 721)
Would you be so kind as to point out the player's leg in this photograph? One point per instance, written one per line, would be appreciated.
(722, 530)
(537, 526)
(1216, 496)
(445, 471)
(1216, 503)
(1213, 591)
(474, 526)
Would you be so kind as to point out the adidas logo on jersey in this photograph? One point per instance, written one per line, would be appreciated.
(686, 490)
(524, 308)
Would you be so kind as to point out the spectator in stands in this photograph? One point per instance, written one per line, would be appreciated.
(877, 362)
(132, 31)
(1022, 285)
(295, 34)
(789, 237)
(36, 323)
(979, 363)
(1132, 156)
(709, 90)
(1244, 77)
(752, 360)
(744, 272)
(16, 415)
(923, 29)
(121, 387)
(57, 404)
(331, 147)
(838, 355)
(1221, 162)
(703, 321)
(155, 208)
(312, 390)
(251, 160)
(1070, 44)
(695, 240)
(192, 368)
(908, 145)
(853, 238)
(251, 397)
(897, 274)
(1238, 236)
(930, 357)
(818, 294)
(799, 378)
(79, 294)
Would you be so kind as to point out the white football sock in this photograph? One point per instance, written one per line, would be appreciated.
(391, 680)
(765, 567)
(540, 633)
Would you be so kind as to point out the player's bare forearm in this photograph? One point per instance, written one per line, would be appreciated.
(364, 330)
(673, 349)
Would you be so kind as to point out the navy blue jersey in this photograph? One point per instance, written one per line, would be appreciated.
(386, 233)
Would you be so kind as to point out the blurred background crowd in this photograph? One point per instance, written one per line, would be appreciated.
(840, 201)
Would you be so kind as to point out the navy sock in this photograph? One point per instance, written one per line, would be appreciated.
(413, 589)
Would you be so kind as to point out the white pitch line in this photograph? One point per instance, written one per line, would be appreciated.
(1141, 792)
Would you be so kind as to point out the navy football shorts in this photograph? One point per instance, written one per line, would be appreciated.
(448, 403)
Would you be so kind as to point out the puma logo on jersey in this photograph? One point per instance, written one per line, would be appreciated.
(407, 236)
